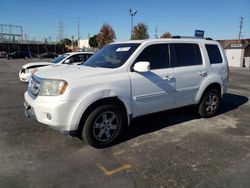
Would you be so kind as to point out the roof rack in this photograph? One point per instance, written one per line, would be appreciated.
(185, 37)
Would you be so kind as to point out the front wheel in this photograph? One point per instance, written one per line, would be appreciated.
(209, 103)
(103, 126)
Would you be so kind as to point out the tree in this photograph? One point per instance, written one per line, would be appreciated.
(166, 35)
(93, 41)
(65, 42)
(140, 31)
(106, 35)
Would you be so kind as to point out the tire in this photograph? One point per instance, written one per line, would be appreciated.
(103, 126)
(209, 103)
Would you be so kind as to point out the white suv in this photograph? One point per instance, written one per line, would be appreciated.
(125, 80)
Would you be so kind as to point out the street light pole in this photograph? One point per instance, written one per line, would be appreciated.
(132, 14)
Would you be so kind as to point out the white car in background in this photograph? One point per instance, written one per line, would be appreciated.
(68, 58)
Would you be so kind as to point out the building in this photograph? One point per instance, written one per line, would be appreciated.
(237, 52)
(238, 55)
(84, 43)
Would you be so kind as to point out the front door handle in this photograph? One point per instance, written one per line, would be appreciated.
(202, 73)
(168, 78)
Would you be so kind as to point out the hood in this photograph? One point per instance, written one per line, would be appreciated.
(49, 66)
(34, 64)
(68, 72)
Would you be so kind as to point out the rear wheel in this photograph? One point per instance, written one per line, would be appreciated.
(103, 126)
(209, 103)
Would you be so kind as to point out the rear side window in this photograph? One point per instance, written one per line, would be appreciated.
(185, 54)
(86, 57)
(157, 55)
(213, 54)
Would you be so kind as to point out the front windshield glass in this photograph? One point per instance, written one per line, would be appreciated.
(112, 56)
(59, 58)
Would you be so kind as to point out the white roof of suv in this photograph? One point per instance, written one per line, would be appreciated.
(173, 39)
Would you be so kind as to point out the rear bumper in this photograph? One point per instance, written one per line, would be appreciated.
(225, 87)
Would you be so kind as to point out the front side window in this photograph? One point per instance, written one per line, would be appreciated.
(213, 54)
(157, 55)
(185, 54)
(86, 56)
(76, 58)
(112, 55)
(59, 58)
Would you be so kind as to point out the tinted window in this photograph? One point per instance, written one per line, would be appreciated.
(186, 54)
(86, 57)
(77, 58)
(157, 55)
(213, 54)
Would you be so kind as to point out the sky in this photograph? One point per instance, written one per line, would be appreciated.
(220, 19)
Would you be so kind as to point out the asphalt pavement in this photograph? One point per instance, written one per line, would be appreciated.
(168, 149)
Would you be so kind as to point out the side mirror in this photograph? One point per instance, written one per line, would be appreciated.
(67, 61)
(142, 66)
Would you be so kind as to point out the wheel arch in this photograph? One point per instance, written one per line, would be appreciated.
(216, 85)
(108, 100)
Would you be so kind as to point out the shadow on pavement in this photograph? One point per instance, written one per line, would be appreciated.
(157, 121)
(232, 101)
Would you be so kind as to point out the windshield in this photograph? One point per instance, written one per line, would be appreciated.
(112, 56)
(59, 58)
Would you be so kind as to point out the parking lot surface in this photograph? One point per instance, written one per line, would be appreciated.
(168, 149)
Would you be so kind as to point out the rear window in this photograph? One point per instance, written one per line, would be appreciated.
(213, 54)
(185, 54)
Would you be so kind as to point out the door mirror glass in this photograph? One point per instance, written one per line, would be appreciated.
(142, 66)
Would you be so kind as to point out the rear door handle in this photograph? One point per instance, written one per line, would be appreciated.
(202, 73)
(168, 78)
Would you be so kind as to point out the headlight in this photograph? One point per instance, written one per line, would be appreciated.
(25, 71)
(51, 87)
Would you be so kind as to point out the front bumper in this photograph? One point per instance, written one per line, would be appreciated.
(50, 111)
(29, 111)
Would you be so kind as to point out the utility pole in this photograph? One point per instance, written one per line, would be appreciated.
(156, 32)
(11, 32)
(72, 41)
(132, 14)
(78, 31)
(241, 25)
(61, 35)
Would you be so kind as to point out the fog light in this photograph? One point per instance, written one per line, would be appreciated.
(48, 116)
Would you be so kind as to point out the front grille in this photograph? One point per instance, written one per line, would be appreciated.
(34, 85)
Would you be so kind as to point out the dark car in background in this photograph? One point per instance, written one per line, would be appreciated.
(47, 55)
(19, 54)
